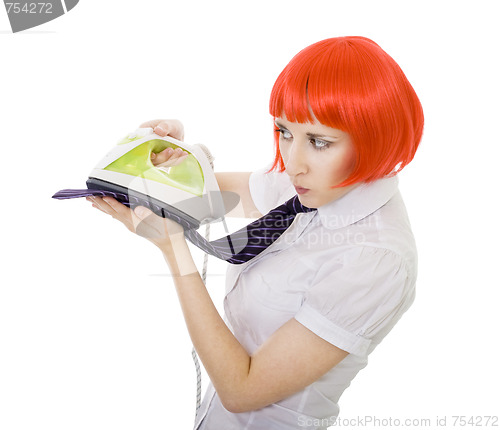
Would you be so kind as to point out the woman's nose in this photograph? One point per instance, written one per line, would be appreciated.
(296, 161)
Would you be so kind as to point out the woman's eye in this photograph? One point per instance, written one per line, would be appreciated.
(320, 144)
(285, 134)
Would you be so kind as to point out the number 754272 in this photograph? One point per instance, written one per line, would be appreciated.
(37, 8)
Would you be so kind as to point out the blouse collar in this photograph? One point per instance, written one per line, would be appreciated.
(358, 203)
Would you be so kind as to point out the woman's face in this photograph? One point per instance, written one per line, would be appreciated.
(316, 158)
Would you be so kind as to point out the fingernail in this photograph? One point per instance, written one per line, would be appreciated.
(160, 130)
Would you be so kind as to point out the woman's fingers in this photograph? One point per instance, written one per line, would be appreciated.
(168, 157)
(176, 157)
(94, 203)
(141, 221)
(153, 123)
(166, 127)
(161, 157)
(117, 210)
(98, 203)
(181, 158)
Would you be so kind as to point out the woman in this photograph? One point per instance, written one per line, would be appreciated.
(303, 316)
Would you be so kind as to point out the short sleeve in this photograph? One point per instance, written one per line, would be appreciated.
(357, 301)
(269, 190)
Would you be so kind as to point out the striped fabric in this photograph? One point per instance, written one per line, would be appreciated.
(246, 243)
(237, 248)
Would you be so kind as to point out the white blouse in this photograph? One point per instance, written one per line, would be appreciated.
(347, 272)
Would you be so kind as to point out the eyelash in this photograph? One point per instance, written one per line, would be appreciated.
(318, 148)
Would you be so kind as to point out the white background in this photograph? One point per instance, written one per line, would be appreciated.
(91, 334)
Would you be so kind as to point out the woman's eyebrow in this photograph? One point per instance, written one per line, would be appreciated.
(311, 135)
(327, 136)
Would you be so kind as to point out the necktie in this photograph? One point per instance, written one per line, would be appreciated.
(236, 248)
(246, 243)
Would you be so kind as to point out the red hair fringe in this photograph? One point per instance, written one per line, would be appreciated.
(351, 84)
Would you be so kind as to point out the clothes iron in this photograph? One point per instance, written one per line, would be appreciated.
(187, 192)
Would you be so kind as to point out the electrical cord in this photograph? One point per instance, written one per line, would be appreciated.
(204, 279)
(193, 351)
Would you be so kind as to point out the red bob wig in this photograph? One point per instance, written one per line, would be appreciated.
(351, 84)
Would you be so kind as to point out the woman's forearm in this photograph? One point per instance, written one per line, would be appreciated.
(225, 360)
(237, 182)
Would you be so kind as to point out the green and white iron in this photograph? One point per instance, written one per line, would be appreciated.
(189, 189)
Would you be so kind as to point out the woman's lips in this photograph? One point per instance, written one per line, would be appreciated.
(301, 190)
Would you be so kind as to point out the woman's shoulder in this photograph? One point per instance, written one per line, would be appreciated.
(370, 218)
(391, 231)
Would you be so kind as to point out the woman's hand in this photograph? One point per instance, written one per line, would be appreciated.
(142, 221)
(167, 127)
(168, 157)
(166, 234)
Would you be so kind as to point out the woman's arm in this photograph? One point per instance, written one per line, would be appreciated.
(237, 182)
(290, 360)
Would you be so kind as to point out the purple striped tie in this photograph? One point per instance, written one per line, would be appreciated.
(246, 243)
(238, 247)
